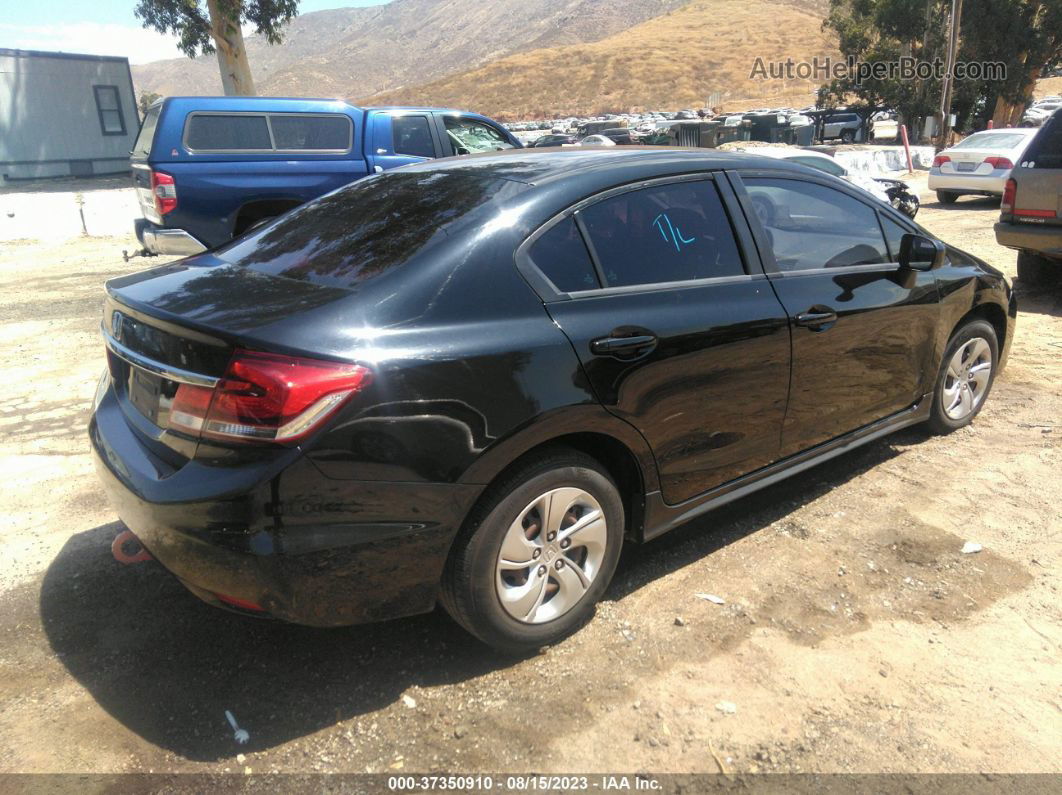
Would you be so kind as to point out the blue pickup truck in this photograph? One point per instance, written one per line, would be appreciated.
(207, 169)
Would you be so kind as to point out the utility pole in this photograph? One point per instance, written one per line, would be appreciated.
(949, 73)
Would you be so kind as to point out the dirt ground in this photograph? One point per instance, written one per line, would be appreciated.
(855, 636)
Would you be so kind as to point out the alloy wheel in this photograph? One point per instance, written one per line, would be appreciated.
(967, 378)
(551, 555)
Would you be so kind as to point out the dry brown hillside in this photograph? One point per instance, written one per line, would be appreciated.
(672, 61)
(358, 51)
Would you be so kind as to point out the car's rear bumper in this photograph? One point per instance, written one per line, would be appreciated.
(992, 184)
(162, 240)
(1042, 239)
(300, 546)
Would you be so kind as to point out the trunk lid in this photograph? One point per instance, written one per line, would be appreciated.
(179, 324)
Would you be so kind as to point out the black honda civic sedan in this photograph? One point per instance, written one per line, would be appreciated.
(471, 381)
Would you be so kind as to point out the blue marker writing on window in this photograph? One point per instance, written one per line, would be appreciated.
(670, 232)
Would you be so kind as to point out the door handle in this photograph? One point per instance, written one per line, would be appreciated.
(817, 318)
(635, 345)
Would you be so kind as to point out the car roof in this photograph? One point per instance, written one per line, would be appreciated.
(543, 165)
(271, 103)
(1022, 130)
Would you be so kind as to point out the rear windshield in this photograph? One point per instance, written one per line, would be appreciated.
(364, 230)
(1046, 149)
(147, 132)
(991, 140)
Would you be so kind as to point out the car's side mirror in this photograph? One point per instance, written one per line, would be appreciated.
(462, 150)
(921, 253)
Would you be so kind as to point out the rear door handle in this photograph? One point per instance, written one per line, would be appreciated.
(635, 345)
(817, 318)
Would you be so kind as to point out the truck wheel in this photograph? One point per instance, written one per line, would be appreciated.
(1034, 269)
(537, 554)
(847, 136)
(946, 197)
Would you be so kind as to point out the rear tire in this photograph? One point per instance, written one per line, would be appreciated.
(519, 609)
(1034, 269)
(966, 375)
(946, 197)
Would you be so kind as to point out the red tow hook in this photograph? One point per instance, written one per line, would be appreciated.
(127, 548)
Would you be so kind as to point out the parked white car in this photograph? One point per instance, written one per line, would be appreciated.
(822, 163)
(597, 140)
(1040, 112)
(979, 164)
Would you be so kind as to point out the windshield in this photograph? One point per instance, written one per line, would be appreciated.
(991, 140)
(147, 132)
(365, 229)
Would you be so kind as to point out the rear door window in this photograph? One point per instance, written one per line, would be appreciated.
(811, 226)
(147, 132)
(561, 255)
(1045, 151)
(412, 136)
(224, 132)
(310, 133)
(667, 233)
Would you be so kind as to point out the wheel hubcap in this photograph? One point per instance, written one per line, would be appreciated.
(967, 378)
(551, 555)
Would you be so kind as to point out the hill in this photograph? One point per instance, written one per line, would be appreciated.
(675, 60)
(353, 52)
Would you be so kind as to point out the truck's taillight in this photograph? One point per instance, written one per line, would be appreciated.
(1009, 191)
(164, 189)
(999, 162)
(266, 397)
(940, 160)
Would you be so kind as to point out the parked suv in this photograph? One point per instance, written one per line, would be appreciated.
(845, 126)
(207, 169)
(1030, 218)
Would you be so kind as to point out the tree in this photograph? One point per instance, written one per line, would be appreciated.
(146, 98)
(887, 30)
(1025, 35)
(218, 28)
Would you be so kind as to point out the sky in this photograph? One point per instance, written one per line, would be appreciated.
(102, 27)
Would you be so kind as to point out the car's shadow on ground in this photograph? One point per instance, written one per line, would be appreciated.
(987, 203)
(168, 666)
(1040, 299)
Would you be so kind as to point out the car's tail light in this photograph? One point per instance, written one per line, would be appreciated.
(242, 604)
(940, 160)
(1009, 191)
(164, 189)
(999, 162)
(266, 397)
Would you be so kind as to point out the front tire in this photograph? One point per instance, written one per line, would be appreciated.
(946, 197)
(965, 378)
(537, 554)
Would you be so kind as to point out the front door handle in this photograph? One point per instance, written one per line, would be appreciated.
(620, 347)
(818, 318)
